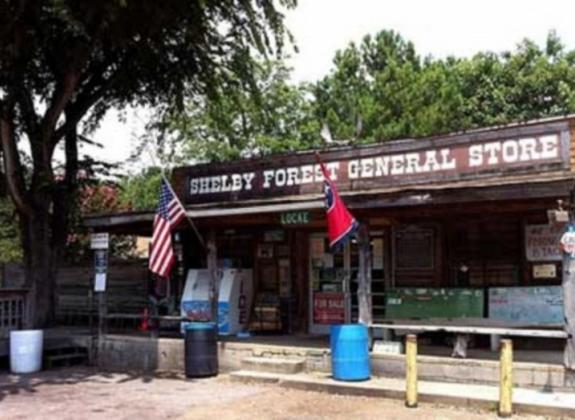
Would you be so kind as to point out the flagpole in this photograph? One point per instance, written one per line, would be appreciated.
(188, 218)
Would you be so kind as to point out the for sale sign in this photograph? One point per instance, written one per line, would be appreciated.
(328, 308)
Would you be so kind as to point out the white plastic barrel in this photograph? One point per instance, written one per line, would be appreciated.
(26, 351)
(495, 341)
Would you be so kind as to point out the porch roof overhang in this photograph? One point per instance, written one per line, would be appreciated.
(552, 185)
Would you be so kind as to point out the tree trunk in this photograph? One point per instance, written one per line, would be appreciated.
(40, 268)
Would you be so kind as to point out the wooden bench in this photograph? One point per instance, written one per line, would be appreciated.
(463, 328)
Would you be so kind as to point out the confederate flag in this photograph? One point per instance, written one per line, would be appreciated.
(341, 225)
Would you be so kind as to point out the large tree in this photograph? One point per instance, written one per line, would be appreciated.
(63, 63)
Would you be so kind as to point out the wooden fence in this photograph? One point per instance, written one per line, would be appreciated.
(126, 291)
(14, 314)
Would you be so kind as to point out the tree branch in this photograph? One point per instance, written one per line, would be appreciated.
(13, 167)
(64, 193)
(71, 150)
(61, 98)
(29, 116)
(92, 93)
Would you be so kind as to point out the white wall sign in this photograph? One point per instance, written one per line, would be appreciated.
(100, 282)
(99, 240)
(542, 242)
(544, 271)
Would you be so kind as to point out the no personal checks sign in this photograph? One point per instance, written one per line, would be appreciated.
(568, 241)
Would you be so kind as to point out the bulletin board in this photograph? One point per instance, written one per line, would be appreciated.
(533, 305)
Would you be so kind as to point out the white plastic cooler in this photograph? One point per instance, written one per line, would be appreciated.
(234, 301)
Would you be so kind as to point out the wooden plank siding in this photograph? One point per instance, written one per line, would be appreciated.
(126, 290)
(572, 154)
(13, 311)
(490, 246)
(491, 249)
(420, 277)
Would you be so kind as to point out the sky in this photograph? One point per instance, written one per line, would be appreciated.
(437, 27)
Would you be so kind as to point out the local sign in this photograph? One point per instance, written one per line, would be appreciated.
(295, 218)
(515, 151)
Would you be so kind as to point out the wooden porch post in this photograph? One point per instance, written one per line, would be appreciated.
(212, 262)
(569, 309)
(568, 285)
(364, 276)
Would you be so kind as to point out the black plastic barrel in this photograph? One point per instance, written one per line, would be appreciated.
(201, 349)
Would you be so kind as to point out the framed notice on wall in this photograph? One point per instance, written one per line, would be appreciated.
(414, 248)
(542, 242)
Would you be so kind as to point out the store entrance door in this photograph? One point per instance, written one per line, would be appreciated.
(329, 285)
(334, 280)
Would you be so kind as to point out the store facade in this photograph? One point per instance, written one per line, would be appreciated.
(464, 215)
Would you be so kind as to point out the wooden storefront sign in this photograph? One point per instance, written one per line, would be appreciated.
(517, 150)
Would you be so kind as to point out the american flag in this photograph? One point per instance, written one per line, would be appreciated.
(170, 212)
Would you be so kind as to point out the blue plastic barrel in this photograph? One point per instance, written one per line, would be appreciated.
(349, 352)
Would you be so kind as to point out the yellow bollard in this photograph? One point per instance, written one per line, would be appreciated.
(411, 371)
(506, 379)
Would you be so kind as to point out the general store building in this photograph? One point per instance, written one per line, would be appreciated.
(458, 227)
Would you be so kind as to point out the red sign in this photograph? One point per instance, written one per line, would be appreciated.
(328, 308)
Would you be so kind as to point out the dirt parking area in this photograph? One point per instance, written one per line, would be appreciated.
(74, 393)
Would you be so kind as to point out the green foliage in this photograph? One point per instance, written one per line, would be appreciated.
(97, 198)
(10, 246)
(140, 192)
(379, 89)
(394, 93)
(245, 120)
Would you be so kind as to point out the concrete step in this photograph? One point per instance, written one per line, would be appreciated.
(273, 365)
(76, 357)
(485, 397)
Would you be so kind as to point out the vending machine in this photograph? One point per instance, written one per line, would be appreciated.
(234, 299)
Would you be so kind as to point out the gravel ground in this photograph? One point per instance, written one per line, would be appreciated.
(86, 394)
